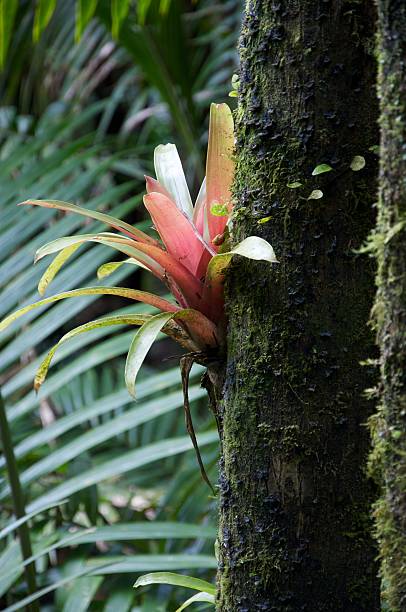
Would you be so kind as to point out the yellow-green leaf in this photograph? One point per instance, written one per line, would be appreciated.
(207, 597)
(357, 163)
(110, 267)
(119, 10)
(55, 266)
(85, 10)
(43, 14)
(321, 169)
(115, 241)
(132, 294)
(8, 9)
(188, 582)
(137, 319)
(94, 214)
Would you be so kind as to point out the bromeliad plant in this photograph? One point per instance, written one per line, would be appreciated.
(190, 259)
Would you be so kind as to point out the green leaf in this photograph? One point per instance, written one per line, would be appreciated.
(85, 10)
(131, 294)
(374, 149)
(105, 322)
(145, 530)
(207, 597)
(119, 600)
(55, 266)
(357, 163)
(316, 194)
(119, 11)
(140, 346)
(44, 12)
(13, 525)
(118, 565)
(188, 582)
(120, 465)
(110, 267)
(10, 561)
(321, 169)
(114, 241)
(80, 597)
(142, 10)
(264, 220)
(93, 214)
(219, 210)
(152, 530)
(97, 435)
(294, 185)
(55, 585)
(8, 9)
(110, 402)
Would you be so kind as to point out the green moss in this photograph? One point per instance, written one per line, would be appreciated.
(387, 461)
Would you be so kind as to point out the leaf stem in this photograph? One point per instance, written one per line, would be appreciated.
(18, 501)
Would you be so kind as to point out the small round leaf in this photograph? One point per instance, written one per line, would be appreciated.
(219, 210)
(316, 194)
(321, 169)
(357, 163)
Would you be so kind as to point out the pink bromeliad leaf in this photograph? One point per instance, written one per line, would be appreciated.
(186, 288)
(178, 233)
(154, 186)
(219, 168)
(119, 225)
(190, 287)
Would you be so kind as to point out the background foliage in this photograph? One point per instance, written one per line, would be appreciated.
(111, 486)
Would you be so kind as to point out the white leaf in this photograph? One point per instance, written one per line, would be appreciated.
(254, 247)
(169, 172)
(142, 342)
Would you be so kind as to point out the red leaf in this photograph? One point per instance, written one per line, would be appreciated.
(178, 233)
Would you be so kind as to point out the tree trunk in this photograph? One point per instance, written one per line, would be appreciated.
(295, 500)
(390, 306)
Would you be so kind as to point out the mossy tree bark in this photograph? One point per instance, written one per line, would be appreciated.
(390, 307)
(295, 500)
